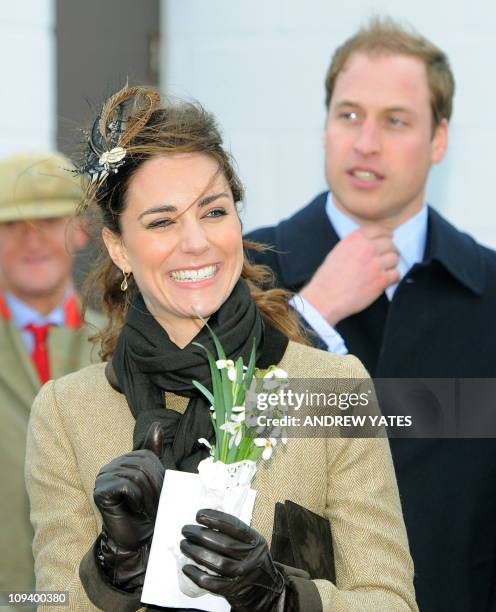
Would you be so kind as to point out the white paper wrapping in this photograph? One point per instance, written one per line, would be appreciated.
(217, 486)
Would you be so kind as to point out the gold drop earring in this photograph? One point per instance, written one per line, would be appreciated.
(124, 284)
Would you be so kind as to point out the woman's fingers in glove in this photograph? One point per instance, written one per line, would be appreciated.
(214, 584)
(228, 524)
(116, 491)
(224, 546)
(119, 494)
(148, 477)
(248, 577)
(213, 561)
(135, 478)
(216, 541)
(144, 459)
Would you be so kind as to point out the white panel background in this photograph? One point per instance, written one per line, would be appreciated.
(27, 61)
(259, 65)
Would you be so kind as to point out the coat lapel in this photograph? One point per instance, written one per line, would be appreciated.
(303, 242)
(69, 350)
(16, 369)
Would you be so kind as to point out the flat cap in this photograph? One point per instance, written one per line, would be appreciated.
(37, 186)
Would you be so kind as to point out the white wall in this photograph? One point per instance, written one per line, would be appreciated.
(27, 61)
(259, 66)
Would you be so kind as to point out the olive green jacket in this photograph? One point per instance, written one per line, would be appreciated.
(80, 423)
(69, 350)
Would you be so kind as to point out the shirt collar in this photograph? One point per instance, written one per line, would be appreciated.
(409, 238)
(23, 314)
(343, 224)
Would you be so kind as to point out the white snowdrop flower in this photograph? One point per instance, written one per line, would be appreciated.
(205, 442)
(268, 444)
(234, 428)
(238, 418)
(224, 363)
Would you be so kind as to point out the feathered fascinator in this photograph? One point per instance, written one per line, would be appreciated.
(122, 117)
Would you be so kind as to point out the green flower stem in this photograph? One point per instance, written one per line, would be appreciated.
(226, 394)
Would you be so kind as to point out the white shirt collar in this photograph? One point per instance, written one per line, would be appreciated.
(23, 315)
(409, 238)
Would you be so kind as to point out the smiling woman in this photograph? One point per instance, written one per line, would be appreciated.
(168, 195)
(181, 240)
(170, 218)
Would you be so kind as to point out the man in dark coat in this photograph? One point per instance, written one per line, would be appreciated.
(380, 274)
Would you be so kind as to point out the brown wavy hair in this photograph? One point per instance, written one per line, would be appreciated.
(384, 35)
(154, 126)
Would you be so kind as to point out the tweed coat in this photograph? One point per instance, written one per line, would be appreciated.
(69, 350)
(79, 423)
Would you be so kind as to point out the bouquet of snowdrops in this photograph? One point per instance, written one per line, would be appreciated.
(233, 406)
(226, 476)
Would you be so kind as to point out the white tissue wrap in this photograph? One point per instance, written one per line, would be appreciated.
(225, 487)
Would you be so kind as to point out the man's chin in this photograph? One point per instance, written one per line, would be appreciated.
(369, 210)
(35, 291)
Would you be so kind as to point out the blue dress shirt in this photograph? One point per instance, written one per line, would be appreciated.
(23, 315)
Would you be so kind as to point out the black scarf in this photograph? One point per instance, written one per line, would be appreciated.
(146, 363)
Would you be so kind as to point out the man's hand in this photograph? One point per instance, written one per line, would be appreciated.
(354, 274)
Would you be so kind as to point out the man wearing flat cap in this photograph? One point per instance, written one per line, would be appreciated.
(42, 334)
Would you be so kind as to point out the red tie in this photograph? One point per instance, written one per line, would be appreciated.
(40, 352)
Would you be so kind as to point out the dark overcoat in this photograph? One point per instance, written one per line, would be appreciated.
(439, 324)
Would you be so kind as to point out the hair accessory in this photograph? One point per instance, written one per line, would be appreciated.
(123, 115)
(124, 284)
(112, 160)
(103, 155)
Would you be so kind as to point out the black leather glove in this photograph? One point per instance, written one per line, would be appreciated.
(127, 492)
(248, 577)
